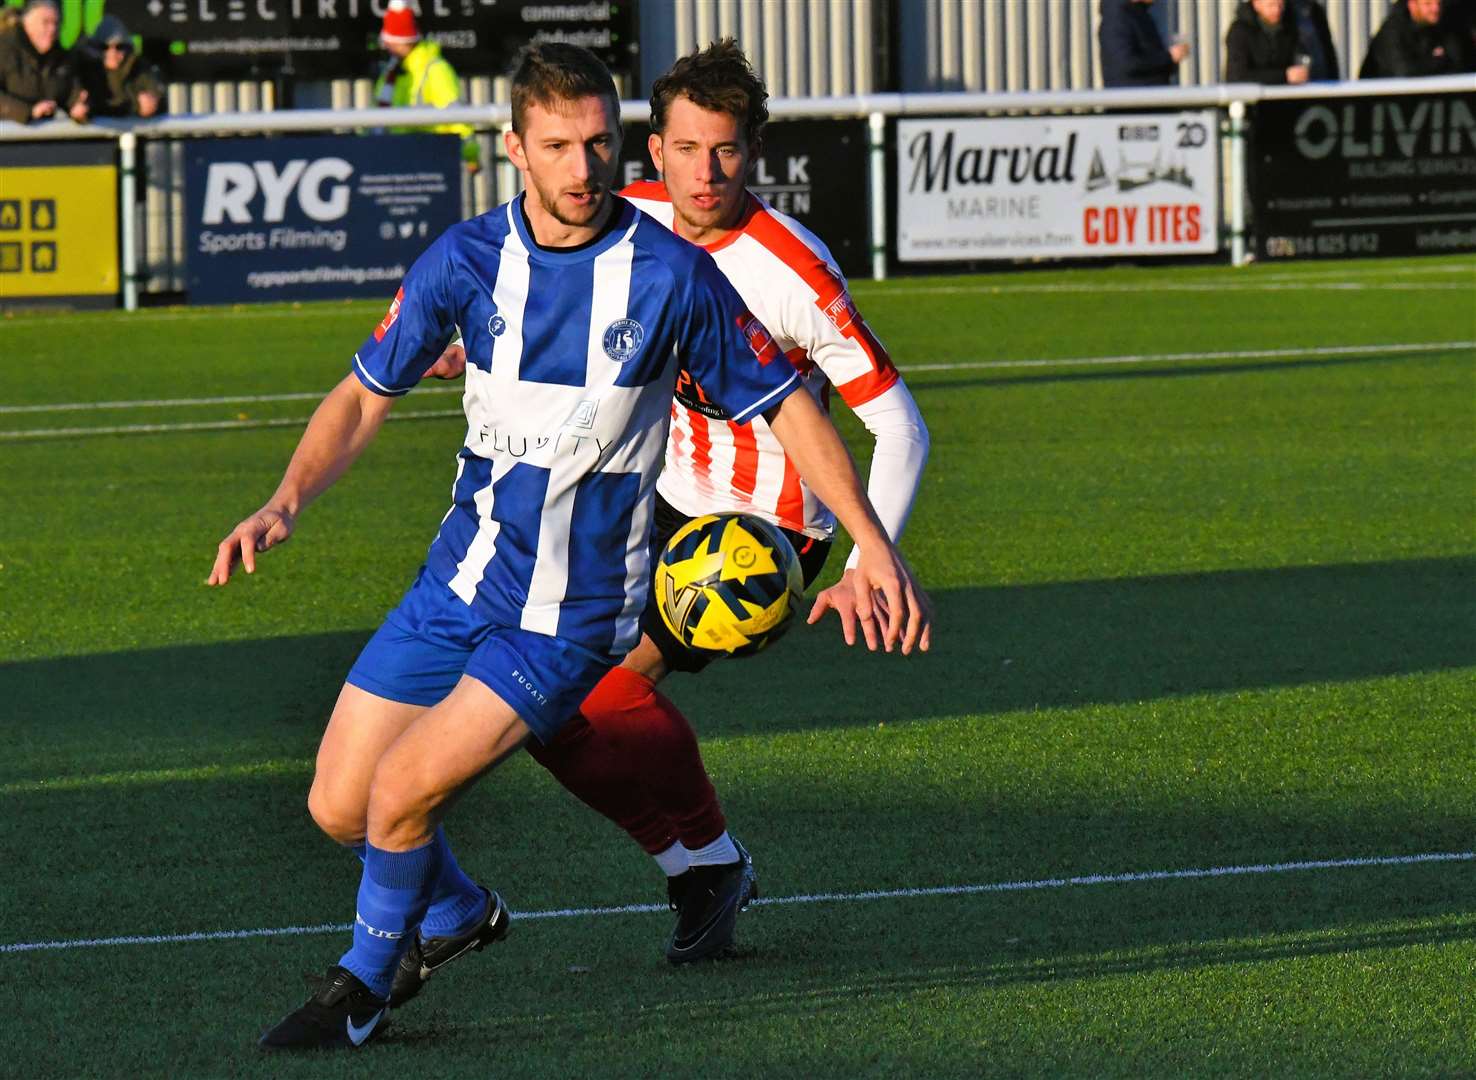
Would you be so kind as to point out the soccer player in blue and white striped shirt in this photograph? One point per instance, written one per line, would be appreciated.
(577, 312)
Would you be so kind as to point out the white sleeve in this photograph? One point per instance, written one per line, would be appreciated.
(897, 461)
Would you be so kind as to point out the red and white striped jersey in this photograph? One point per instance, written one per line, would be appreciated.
(786, 276)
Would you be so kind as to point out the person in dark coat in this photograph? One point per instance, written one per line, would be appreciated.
(1132, 50)
(1413, 42)
(1314, 37)
(1261, 46)
(37, 76)
(118, 81)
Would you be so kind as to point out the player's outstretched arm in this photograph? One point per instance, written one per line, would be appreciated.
(897, 462)
(884, 598)
(342, 426)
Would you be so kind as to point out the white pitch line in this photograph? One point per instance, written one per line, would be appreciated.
(1164, 358)
(1080, 361)
(169, 315)
(167, 403)
(212, 425)
(1179, 287)
(318, 311)
(812, 898)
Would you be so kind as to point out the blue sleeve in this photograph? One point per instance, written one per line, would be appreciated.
(728, 351)
(415, 330)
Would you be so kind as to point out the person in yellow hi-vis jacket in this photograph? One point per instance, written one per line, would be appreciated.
(417, 74)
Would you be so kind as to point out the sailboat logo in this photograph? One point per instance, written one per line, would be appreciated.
(1097, 174)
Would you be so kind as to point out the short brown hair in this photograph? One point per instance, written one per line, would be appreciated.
(718, 78)
(555, 71)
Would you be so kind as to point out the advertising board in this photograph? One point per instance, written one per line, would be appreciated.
(1057, 186)
(59, 224)
(318, 39)
(1364, 176)
(314, 218)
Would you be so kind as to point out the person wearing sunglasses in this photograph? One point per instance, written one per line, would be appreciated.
(118, 80)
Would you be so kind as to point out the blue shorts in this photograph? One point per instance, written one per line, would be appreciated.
(431, 639)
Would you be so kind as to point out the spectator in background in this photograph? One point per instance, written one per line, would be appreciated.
(1314, 37)
(1132, 50)
(37, 76)
(1261, 46)
(1413, 42)
(118, 81)
(1459, 16)
(417, 74)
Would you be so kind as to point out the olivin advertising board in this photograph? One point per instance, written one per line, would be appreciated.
(1365, 176)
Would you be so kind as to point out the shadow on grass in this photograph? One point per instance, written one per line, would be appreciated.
(1110, 642)
(997, 650)
(953, 972)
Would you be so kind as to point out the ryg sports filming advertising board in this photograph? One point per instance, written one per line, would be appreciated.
(314, 218)
(1027, 187)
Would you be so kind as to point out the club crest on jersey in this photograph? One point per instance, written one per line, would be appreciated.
(390, 316)
(496, 324)
(758, 337)
(623, 339)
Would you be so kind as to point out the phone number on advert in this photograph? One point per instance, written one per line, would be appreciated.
(1358, 243)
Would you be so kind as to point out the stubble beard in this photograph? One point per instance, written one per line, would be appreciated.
(551, 207)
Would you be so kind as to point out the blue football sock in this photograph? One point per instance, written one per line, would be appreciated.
(360, 850)
(393, 894)
(457, 901)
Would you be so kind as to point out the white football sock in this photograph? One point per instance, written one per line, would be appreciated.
(717, 853)
(674, 860)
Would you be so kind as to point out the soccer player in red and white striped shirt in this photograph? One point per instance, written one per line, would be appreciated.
(634, 758)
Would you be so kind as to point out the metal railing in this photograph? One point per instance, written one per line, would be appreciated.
(1232, 99)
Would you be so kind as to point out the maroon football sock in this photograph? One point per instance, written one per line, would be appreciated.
(632, 756)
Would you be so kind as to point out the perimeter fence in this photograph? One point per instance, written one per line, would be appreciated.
(327, 202)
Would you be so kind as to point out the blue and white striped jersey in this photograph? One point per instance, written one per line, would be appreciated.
(572, 357)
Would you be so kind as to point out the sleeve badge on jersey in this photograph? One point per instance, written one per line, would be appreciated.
(842, 311)
(758, 337)
(390, 316)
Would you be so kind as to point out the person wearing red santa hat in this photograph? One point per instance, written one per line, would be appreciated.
(417, 74)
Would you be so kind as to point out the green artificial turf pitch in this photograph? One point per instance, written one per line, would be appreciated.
(1208, 610)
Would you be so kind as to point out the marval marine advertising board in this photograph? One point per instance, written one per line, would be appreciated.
(1030, 187)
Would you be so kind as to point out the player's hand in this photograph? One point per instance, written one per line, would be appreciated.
(264, 529)
(841, 599)
(450, 365)
(881, 596)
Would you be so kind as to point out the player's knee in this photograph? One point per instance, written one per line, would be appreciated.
(399, 813)
(342, 822)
